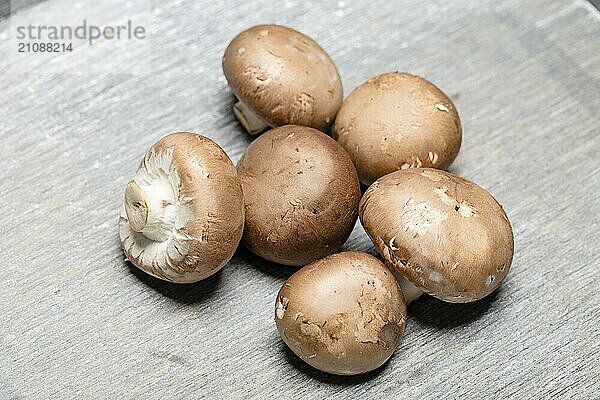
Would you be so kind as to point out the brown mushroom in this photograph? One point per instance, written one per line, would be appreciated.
(301, 193)
(281, 76)
(343, 314)
(446, 235)
(183, 213)
(397, 121)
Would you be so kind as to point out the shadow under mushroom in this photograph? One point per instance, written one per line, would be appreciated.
(244, 256)
(428, 310)
(188, 293)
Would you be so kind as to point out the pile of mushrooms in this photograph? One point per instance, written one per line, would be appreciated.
(295, 196)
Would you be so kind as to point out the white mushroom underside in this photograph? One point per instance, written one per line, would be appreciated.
(160, 183)
(249, 119)
(409, 290)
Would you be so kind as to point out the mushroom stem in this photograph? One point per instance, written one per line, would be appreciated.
(150, 209)
(251, 122)
(136, 206)
(410, 291)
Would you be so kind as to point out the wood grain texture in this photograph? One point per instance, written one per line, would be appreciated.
(77, 321)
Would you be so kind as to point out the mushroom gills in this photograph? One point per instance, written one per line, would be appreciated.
(248, 118)
(151, 201)
(151, 209)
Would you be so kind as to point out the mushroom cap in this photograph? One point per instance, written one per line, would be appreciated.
(445, 234)
(283, 76)
(396, 121)
(301, 193)
(343, 314)
(208, 210)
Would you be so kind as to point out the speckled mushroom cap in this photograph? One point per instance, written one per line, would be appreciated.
(445, 234)
(183, 214)
(283, 76)
(343, 314)
(301, 193)
(396, 121)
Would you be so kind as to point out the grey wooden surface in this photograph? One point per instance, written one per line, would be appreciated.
(77, 321)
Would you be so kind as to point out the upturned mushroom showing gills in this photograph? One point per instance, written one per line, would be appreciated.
(183, 212)
(396, 121)
(301, 194)
(343, 314)
(446, 235)
(281, 76)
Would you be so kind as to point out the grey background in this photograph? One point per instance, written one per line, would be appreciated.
(77, 321)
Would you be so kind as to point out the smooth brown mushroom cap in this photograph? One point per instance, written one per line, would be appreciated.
(301, 193)
(445, 234)
(285, 77)
(396, 121)
(343, 314)
(211, 203)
